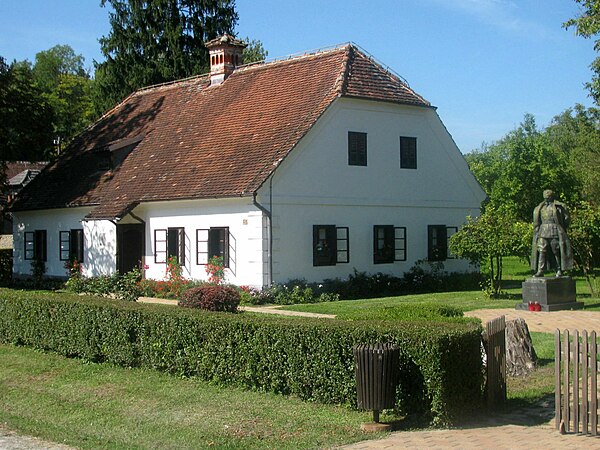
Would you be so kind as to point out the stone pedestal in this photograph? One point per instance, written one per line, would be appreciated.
(552, 293)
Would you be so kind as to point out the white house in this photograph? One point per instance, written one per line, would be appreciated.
(307, 167)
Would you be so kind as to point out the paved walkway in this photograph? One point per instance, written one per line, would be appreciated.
(525, 429)
(545, 322)
(10, 440)
(259, 309)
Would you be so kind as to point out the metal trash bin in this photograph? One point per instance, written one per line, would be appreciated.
(377, 373)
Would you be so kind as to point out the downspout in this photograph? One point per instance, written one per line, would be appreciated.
(269, 214)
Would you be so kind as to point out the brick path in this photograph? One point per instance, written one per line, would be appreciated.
(532, 429)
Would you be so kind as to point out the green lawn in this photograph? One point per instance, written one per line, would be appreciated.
(538, 385)
(515, 272)
(101, 406)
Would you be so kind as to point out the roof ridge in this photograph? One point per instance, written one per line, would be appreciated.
(344, 74)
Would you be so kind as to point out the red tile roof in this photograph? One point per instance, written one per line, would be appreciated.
(199, 141)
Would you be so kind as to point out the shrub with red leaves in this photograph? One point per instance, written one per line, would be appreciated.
(211, 298)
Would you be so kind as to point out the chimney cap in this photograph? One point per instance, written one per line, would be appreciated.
(226, 39)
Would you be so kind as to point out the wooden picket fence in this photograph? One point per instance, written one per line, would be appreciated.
(496, 361)
(576, 394)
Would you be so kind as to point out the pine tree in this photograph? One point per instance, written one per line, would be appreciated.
(157, 41)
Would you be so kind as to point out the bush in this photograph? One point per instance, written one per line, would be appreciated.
(291, 293)
(6, 258)
(421, 278)
(125, 287)
(440, 364)
(211, 298)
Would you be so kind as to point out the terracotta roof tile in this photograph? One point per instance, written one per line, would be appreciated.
(199, 141)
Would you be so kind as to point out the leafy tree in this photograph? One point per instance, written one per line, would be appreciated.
(587, 25)
(584, 233)
(55, 62)
(156, 41)
(515, 170)
(254, 52)
(61, 76)
(487, 239)
(577, 133)
(26, 131)
(3, 179)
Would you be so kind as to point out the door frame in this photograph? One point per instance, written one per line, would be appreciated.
(121, 229)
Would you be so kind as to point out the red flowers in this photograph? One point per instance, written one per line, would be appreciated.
(215, 270)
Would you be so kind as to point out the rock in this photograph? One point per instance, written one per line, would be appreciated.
(520, 354)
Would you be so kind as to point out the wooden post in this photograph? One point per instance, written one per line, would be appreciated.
(566, 375)
(496, 361)
(594, 383)
(584, 380)
(557, 389)
(576, 381)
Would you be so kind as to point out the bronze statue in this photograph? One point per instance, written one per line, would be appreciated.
(551, 247)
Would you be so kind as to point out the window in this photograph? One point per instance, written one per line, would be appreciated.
(211, 242)
(35, 245)
(330, 245)
(357, 148)
(71, 245)
(389, 244)
(437, 243)
(169, 242)
(408, 152)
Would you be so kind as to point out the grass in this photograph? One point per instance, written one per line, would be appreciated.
(515, 272)
(101, 406)
(530, 389)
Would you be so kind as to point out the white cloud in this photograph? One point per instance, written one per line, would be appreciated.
(502, 14)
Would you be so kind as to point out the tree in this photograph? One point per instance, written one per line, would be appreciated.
(254, 52)
(487, 239)
(59, 73)
(576, 132)
(157, 41)
(26, 131)
(584, 233)
(50, 65)
(587, 25)
(515, 170)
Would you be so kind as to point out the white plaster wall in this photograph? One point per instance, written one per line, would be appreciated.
(245, 223)
(53, 221)
(315, 185)
(100, 248)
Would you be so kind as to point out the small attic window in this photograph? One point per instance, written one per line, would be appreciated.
(112, 155)
(104, 162)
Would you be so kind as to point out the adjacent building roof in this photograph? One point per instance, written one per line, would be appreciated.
(20, 172)
(190, 140)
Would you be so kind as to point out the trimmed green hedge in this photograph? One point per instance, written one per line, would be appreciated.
(409, 312)
(441, 371)
(6, 259)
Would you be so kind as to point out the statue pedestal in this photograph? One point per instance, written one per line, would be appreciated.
(552, 293)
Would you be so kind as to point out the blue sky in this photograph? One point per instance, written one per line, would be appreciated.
(483, 63)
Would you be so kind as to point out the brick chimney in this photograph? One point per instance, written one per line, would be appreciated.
(225, 55)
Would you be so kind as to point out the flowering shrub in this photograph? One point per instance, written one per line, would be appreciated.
(294, 292)
(215, 269)
(174, 271)
(125, 287)
(172, 286)
(75, 282)
(211, 298)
